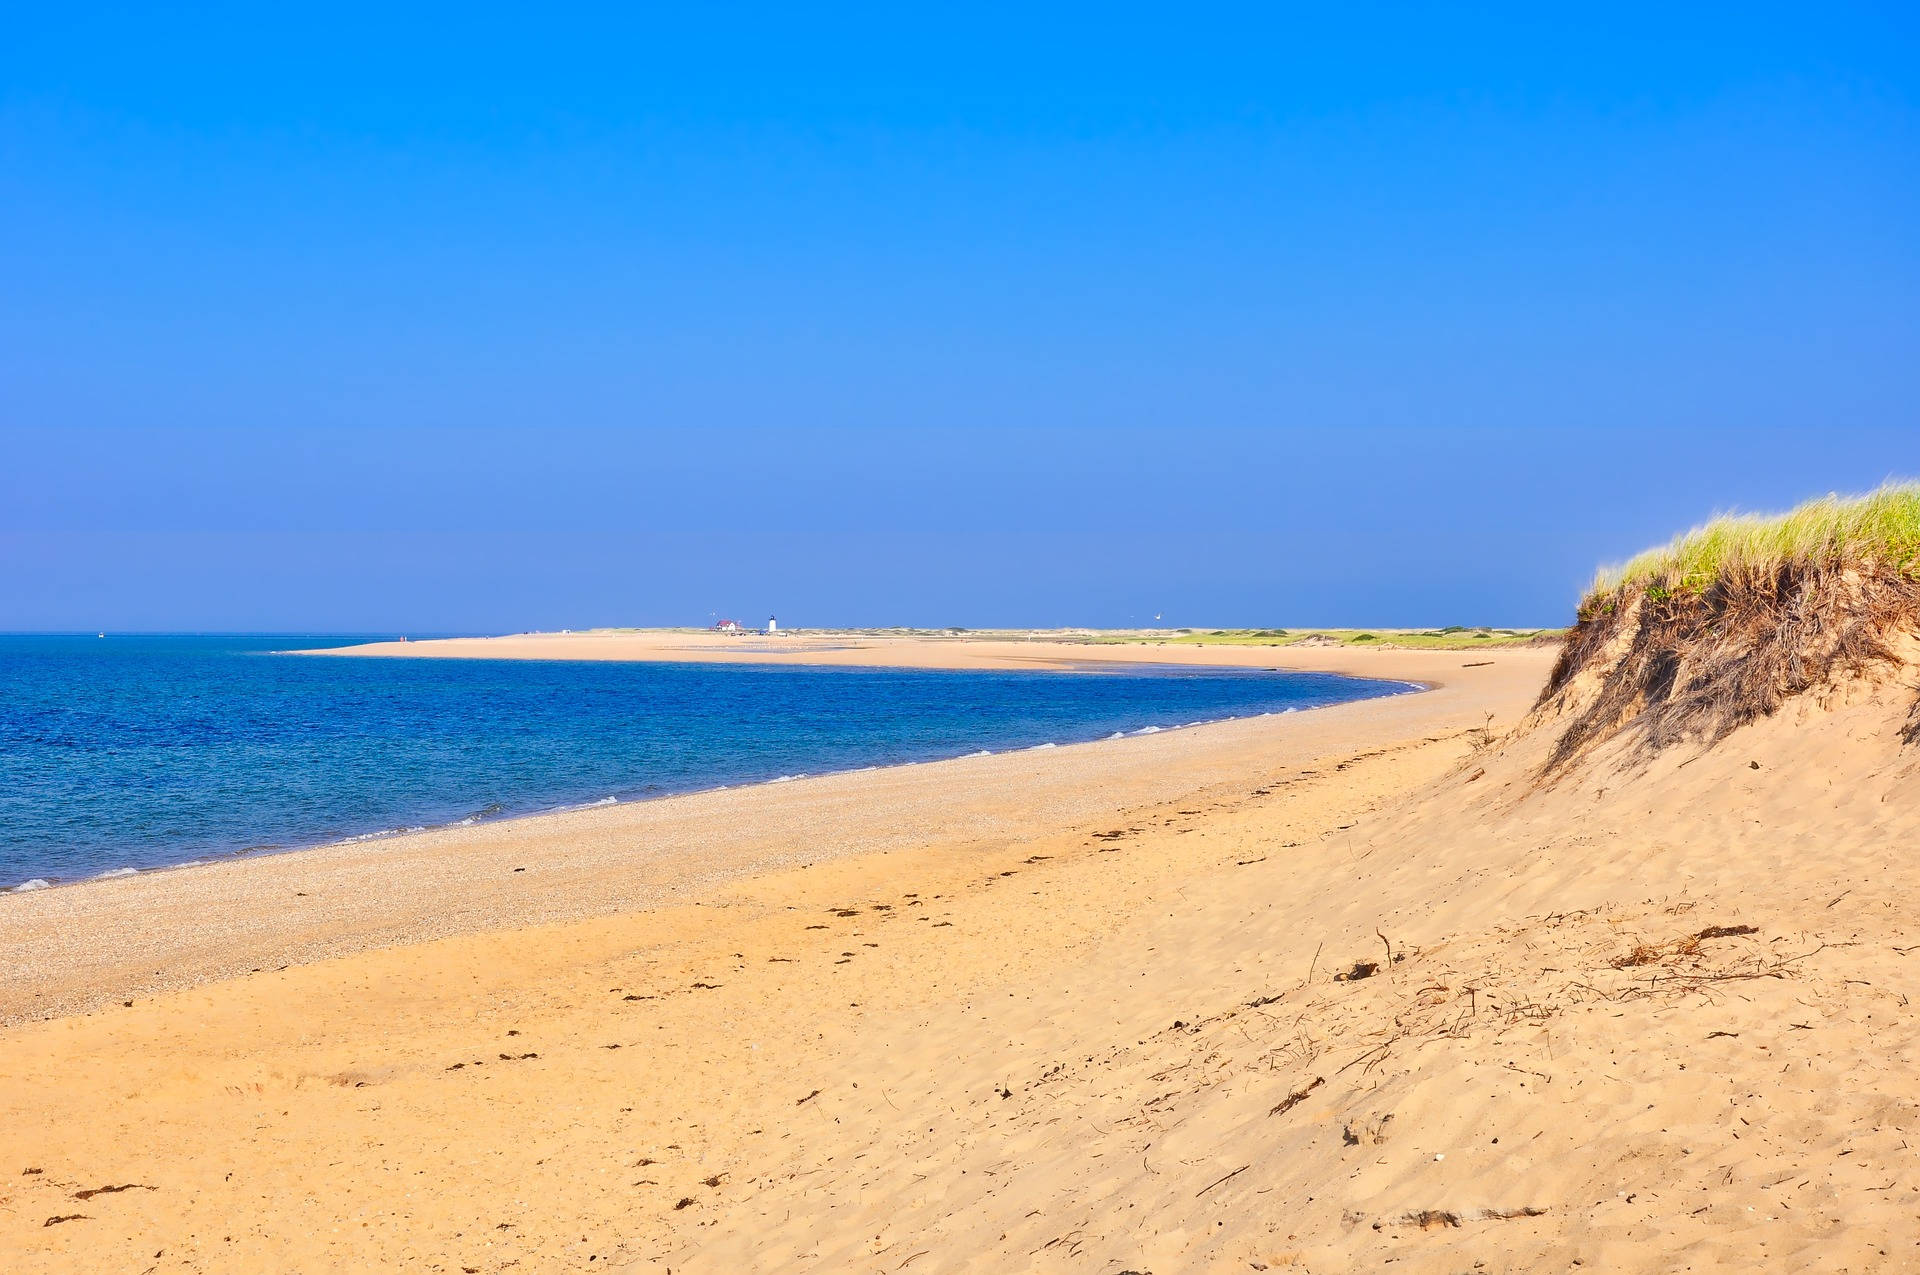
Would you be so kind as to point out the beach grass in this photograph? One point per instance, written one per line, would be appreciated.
(1727, 622)
(1878, 530)
(1452, 638)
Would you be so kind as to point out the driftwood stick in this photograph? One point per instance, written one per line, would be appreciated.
(1236, 1173)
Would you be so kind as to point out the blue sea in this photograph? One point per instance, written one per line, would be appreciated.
(126, 754)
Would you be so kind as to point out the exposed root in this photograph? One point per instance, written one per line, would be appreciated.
(1698, 665)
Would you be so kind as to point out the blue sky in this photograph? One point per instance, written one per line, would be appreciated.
(475, 319)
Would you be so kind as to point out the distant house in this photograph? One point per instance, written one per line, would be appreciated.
(729, 626)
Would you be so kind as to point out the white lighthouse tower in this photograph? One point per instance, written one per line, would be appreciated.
(773, 625)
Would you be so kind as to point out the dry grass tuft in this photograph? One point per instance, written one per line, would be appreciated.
(1642, 954)
(1878, 531)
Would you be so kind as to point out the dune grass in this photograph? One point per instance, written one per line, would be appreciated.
(1453, 638)
(1880, 530)
(1731, 620)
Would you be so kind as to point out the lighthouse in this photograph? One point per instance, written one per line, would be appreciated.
(773, 625)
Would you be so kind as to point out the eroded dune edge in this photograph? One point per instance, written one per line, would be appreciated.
(1417, 984)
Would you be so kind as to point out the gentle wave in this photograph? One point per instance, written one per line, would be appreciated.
(378, 834)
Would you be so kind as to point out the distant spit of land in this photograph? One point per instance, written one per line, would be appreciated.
(955, 648)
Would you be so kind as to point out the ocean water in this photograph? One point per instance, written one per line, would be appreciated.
(126, 754)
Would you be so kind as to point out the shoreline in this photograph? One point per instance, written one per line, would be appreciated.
(207, 857)
(35, 885)
(230, 913)
(1052, 653)
(439, 1088)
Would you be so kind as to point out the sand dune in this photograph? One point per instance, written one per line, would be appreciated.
(1654, 1014)
(1675, 1034)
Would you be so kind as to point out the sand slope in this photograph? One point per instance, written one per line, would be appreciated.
(1555, 1069)
(1113, 1041)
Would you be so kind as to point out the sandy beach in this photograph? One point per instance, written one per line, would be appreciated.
(676, 640)
(1044, 649)
(1320, 991)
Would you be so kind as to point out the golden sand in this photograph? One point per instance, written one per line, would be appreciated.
(1086, 1009)
(1042, 650)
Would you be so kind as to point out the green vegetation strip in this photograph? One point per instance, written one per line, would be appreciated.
(1453, 638)
(1877, 531)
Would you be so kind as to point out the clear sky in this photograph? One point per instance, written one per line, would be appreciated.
(473, 318)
